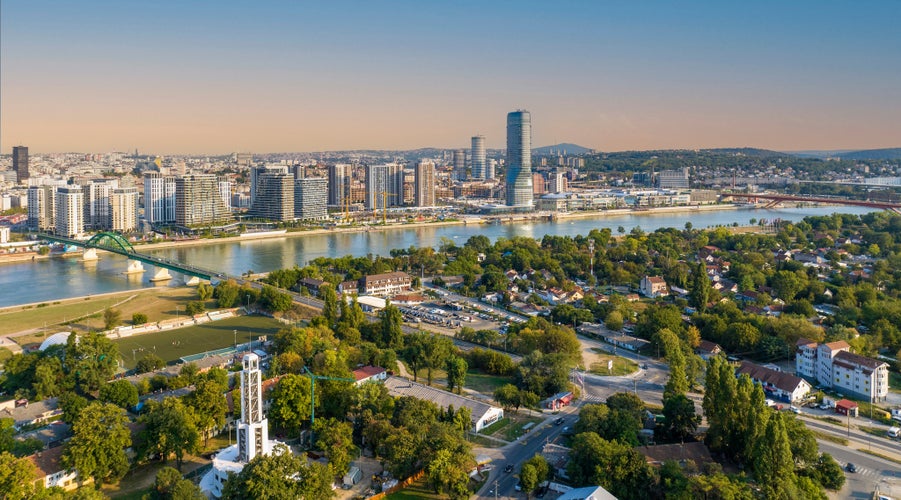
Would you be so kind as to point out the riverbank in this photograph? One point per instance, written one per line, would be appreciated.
(466, 220)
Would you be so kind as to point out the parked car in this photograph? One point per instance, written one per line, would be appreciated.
(509, 468)
(795, 410)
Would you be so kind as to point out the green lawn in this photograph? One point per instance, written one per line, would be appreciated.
(621, 366)
(512, 432)
(173, 344)
(484, 383)
(418, 490)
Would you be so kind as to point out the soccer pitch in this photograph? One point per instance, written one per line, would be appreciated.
(173, 344)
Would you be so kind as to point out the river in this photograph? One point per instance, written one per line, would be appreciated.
(59, 278)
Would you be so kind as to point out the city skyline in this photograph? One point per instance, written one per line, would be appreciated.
(188, 79)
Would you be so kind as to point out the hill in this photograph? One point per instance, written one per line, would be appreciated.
(571, 149)
(872, 154)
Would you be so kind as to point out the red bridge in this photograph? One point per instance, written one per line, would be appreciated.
(775, 199)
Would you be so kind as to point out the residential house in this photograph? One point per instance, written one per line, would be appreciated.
(386, 284)
(37, 413)
(587, 493)
(50, 470)
(349, 287)
(707, 349)
(370, 374)
(312, 285)
(779, 385)
(653, 286)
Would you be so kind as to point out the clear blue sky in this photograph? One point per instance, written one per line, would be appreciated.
(221, 76)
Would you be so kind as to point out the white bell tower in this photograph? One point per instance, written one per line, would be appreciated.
(253, 430)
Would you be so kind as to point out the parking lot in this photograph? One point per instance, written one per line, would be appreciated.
(453, 315)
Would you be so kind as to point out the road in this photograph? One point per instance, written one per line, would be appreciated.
(872, 472)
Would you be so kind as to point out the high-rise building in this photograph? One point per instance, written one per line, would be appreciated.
(310, 196)
(376, 185)
(124, 209)
(338, 184)
(41, 208)
(225, 192)
(97, 203)
(274, 196)
(20, 163)
(460, 164)
(299, 171)
(673, 179)
(490, 169)
(198, 202)
(424, 184)
(556, 181)
(396, 175)
(159, 198)
(69, 220)
(519, 159)
(255, 176)
(478, 158)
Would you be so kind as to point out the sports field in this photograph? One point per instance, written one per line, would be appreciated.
(173, 344)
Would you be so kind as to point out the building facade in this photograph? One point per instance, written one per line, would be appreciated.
(653, 286)
(338, 184)
(519, 159)
(69, 220)
(197, 201)
(460, 164)
(41, 207)
(124, 210)
(159, 198)
(274, 197)
(97, 203)
(255, 174)
(477, 155)
(424, 184)
(310, 198)
(834, 365)
(385, 284)
(20, 163)
(376, 187)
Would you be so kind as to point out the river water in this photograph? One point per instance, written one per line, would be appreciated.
(58, 278)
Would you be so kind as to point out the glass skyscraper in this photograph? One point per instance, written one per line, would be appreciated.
(478, 157)
(519, 159)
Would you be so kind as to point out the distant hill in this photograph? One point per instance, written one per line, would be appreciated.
(850, 154)
(571, 149)
(873, 154)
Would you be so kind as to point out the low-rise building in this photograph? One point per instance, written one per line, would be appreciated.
(50, 470)
(707, 349)
(777, 384)
(386, 284)
(370, 374)
(834, 365)
(653, 286)
(483, 414)
(36, 413)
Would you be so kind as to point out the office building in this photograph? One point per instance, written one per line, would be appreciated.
(124, 209)
(424, 184)
(41, 207)
(460, 164)
(673, 179)
(97, 203)
(198, 202)
(519, 160)
(478, 158)
(256, 172)
(159, 198)
(310, 196)
(274, 197)
(69, 219)
(338, 184)
(20, 163)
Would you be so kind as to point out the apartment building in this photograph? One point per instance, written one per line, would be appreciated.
(834, 365)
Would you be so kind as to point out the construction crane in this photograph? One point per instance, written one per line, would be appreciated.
(313, 379)
(385, 196)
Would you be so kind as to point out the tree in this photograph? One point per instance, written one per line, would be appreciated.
(680, 422)
(111, 318)
(614, 321)
(194, 308)
(678, 378)
(541, 466)
(456, 373)
(336, 440)
(170, 429)
(226, 294)
(138, 318)
(209, 404)
(390, 328)
(204, 291)
(290, 403)
(772, 460)
(448, 473)
(271, 476)
(149, 362)
(330, 304)
(829, 473)
(169, 485)
(72, 404)
(275, 300)
(121, 393)
(90, 361)
(507, 396)
(618, 467)
(700, 288)
(98, 443)
(436, 350)
(16, 477)
(528, 478)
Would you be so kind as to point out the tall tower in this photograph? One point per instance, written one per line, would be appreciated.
(159, 198)
(478, 157)
(197, 201)
(274, 196)
(338, 183)
(253, 429)
(377, 182)
(395, 185)
(310, 196)
(124, 209)
(20, 163)
(424, 185)
(519, 159)
(460, 164)
(69, 217)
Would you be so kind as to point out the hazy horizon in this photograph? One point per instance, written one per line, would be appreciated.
(215, 78)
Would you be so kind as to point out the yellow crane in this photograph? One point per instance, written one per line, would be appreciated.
(384, 195)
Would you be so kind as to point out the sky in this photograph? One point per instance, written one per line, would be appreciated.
(214, 77)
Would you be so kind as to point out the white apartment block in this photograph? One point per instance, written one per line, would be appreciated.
(69, 211)
(159, 198)
(41, 207)
(834, 365)
(386, 284)
(124, 210)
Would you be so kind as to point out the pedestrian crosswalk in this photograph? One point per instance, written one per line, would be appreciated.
(859, 471)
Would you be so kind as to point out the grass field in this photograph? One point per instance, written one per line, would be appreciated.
(486, 384)
(417, 490)
(621, 366)
(173, 344)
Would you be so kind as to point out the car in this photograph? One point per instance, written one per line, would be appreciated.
(795, 410)
(644, 366)
(566, 430)
(559, 421)
(851, 467)
(509, 468)
(518, 487)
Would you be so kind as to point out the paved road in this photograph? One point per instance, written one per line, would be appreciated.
(872, 472)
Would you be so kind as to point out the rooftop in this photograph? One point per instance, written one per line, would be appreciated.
(402, 387)
(781, 380)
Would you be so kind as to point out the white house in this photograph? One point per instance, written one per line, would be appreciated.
(370, 374)
(778, 384)
(483, 414)
(50, 471)
(834, 365)
(653, 286)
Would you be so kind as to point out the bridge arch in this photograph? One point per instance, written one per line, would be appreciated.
(111, 240)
